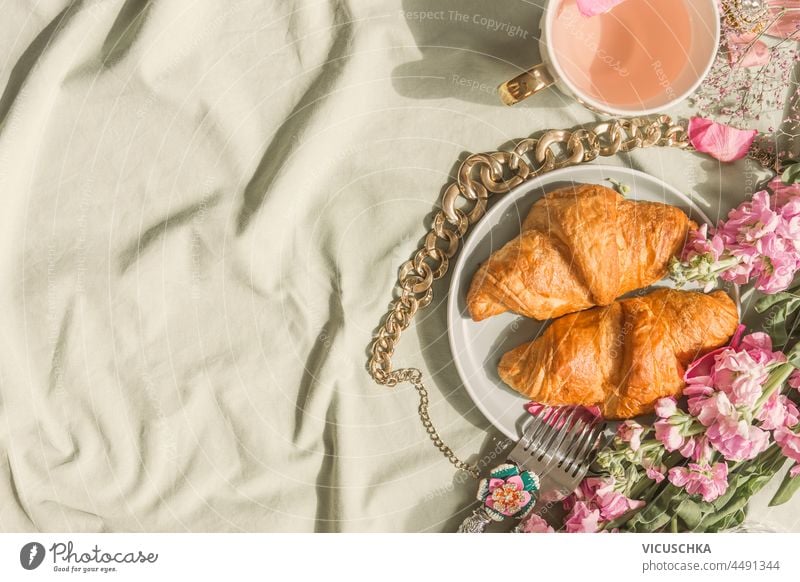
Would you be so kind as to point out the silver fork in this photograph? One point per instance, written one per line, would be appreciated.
(555, 450)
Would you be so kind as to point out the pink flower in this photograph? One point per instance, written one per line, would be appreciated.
(595, 7)
(699, 243)
(582, 519)
(708, 481)
(714, 408)
(789, 442)
(654, 472)
(794, 471)
(785, 194)
(776, 274)
(631, 431)
(536, 524)
(759, 346)
(535, 408)
(697, 448)
(722, 142)
(740, 377)
(669, 435)
(792, 417)
(759, 240)
(748, 262)
(778, 411)
(697, 390)
(794, 380)
(738, 53)
(749, 221)
(763, 235)
(688, 448)
(741, 372)
(737, 439)
(666, 407)
(600, 493)
(699, 371)
(727, 432)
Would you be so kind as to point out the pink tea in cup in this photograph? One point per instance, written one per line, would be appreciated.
(640, 54)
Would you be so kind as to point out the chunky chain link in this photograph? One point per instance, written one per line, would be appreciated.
(464, 203)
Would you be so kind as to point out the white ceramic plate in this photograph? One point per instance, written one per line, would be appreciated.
(478, 346)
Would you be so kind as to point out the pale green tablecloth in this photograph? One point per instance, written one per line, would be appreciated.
(204, 206)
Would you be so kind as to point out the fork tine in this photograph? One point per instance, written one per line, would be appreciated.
(577, 451)
(572, 438)
(552, 432)
(583, 457)
(580, 429)
(534, 430)
(540, 434)
(563, 437)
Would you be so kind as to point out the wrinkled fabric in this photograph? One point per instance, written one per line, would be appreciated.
(204, 207)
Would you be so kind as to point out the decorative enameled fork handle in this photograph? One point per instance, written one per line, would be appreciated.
(476, 522)
(507, 492)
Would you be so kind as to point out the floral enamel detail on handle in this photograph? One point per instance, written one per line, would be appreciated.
(506, 492)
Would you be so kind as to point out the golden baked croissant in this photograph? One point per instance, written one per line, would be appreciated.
(622, 357)
(580, 246)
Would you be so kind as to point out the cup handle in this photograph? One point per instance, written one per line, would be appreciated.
(523, 86)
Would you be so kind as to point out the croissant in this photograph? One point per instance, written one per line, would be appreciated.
(622, 357)
(580, 246)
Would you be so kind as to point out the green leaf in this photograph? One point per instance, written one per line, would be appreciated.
(768, 301)
(787, 488)
(690, 512)
(791, 174)
(793, 355)
(782, 316)
(711, 519)
(730, 521)
(657, 514)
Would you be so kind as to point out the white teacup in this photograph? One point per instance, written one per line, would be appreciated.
(641, 57)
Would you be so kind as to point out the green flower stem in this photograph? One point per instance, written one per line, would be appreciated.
(694, 428)
(641, 486)
(776, 379)
(700, 268)
(673, 526)
(649, 445)
(724, 264)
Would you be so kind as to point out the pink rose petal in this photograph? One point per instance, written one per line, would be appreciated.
(595, 7)
(757, 55)
(536, 524)
(720, 141)
(789, 20)
(794, 380)
(702, 367)
(582, 519)
(495, 483)
(708, 481)
(655, 474)
(630, 432)
(525, 497)
(666, 407)
(516, 480)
